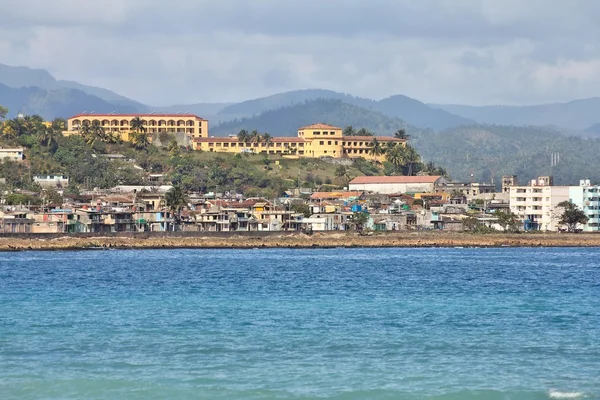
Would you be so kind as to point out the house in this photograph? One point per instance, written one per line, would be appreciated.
(397, 184)
(536, 203)
(51, 181)
(13, 154)
(15, 222)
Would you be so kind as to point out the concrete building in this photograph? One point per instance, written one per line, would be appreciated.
(13, 154)
(470, 190)
(51, 181)
(192, 125)
(397, 184)
(536, 204)
(317, 140)
(587, 198)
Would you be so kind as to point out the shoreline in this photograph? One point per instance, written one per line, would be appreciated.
(326, 240)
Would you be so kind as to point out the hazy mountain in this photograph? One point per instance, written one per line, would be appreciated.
(419, 114)
(594, 129)
(577, 114)
(208, 111)
(285, 121)
(410, 110)
(18, 77)
(50, 104)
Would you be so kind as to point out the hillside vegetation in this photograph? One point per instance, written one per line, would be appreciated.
(286, 121)
(490, 151)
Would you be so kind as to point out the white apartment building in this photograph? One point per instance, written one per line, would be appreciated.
(536, 204)
(587, 197)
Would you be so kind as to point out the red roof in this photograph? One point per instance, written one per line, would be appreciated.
(370, 138)
(236, 140)
(334, 195)
(320, 126)
(393, 179)
(137, 115)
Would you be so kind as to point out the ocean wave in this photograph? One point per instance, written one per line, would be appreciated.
(555, 394)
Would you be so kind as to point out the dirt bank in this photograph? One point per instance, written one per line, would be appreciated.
(403, 239)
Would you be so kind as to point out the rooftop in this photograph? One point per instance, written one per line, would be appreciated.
(394, 179)
(236, 140)
(186, 115)
(320, 126)
(370, 138)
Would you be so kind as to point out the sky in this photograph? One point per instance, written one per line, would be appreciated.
(163, 52)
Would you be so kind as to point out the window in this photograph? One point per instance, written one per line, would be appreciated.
(336, 142)
(321, 143)
(325, 133)
(316, 133)
(329, 143)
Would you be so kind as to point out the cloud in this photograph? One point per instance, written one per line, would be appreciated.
(459, 51)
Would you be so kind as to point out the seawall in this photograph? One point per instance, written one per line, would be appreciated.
(244, 240)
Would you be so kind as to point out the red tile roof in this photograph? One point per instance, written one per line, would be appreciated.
(235, 140)
(320, 126)
(335, 195)
(137, 115)
(370, 138)
(393, 179)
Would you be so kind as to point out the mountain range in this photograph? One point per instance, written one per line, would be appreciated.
(485, 141)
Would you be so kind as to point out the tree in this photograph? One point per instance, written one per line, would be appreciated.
(396, 156)
(376, 148)
(401, 134)
(3, 112)
(342, 172)
(507, 220)
(364, 132)
(266, 138)
(137, 125)
(412, 158)
(176, 200)
(140, 140)
(47, 137)
(174, 149)
(98, 131)
(359, 220)
(571, 216)
(349, 131)
(243, 136)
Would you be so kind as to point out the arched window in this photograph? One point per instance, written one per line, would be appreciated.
(152, 122)
(115, 122)
(190, 123)
(124, 122)
(171, 123)
(162, 122)
(105, 122)
(181, 123)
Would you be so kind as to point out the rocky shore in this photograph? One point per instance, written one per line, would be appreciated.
(330, 239)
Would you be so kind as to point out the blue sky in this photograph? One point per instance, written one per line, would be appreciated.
(439, 51)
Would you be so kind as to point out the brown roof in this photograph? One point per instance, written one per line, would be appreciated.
(394, 179)
(335, 195)
(235, 140)
(370, 138)
(320, 126)
(136, 115)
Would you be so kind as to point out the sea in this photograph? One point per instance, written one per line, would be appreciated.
(339, 323)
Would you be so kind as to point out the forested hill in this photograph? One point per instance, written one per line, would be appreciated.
(487, 151)
(286, 121)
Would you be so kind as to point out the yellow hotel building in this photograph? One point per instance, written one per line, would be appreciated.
(192, 125)
(318, 140)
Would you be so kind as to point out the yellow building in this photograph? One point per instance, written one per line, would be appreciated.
(192, 125)
(318, 140)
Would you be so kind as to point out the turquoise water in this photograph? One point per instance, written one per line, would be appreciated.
(301, 324)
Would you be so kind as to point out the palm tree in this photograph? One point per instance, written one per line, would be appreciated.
(176, 200)
(137, 125)
(412, 158)
(401, 134)
(255, 136)
(376, 149)
(174, 149)
(98, 131)
(349, 131)
(266, 138)
(364, 132)
(243, 136)
(140, 140)
(396, 156)
(47, 137)
(87, 133)
(342, 173)
(112, 137)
